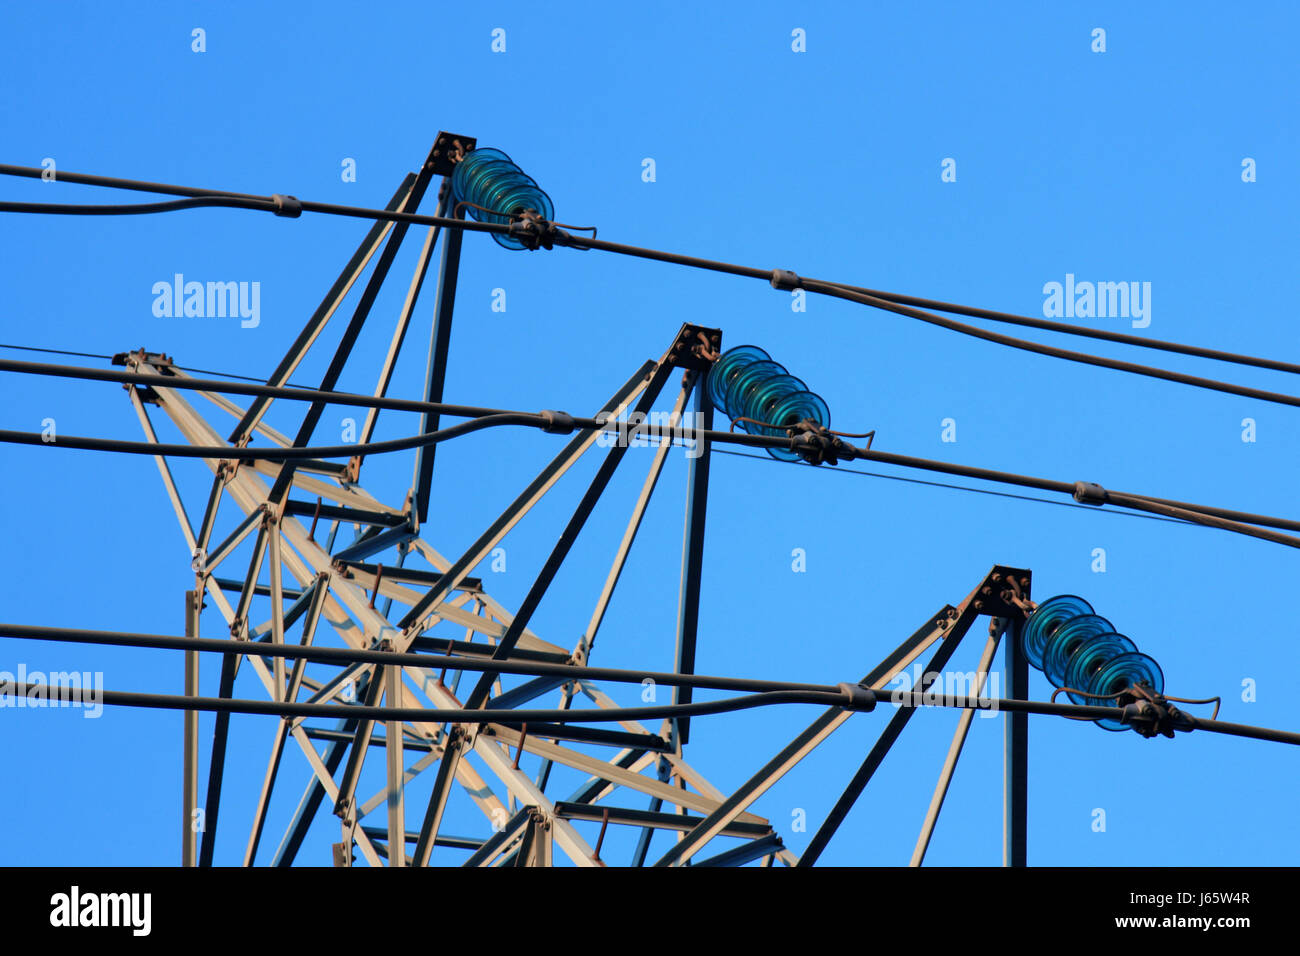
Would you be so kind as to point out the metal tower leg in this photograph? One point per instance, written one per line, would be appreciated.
(190, 780)
(1015, 763)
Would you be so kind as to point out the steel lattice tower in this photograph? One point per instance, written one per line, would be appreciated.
(283, 506)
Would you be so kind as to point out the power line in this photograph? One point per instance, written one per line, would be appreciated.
(912, 699)
(453, 662)
(845, 695)
(944, 484)
(109, 358)
(291, 206)
(1093, 494)
(33, 348)
(560, 422)
(132, 209)
(259, 388)
(1025, 345)
(344, 398)
(230, 705)
(1105, 335)
(273, 453)
(1157, 509)
(278, 204)
(245, 378)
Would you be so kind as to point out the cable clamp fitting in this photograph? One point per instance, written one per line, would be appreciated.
(1089, 493)
(1149, 713)
(858, 697)
(557, 423)
(814, 443)
(287, 206)
(785, 280)
(534, 231)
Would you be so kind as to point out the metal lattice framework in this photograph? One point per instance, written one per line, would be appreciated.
(306, 582)
(418, 646)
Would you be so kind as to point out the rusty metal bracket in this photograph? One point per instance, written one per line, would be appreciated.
(690, 342)
(995, 593)
(449, 149)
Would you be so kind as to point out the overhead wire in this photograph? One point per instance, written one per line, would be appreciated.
(267, 453)
(343, 398)
(1064, 328)
(133, 209)
(948, 485)
(844, 292)
(109, 358)
(893, 302)
(764, 692)
(1224, 519)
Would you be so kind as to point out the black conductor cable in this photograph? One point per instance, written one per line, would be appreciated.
(1065, 328)
(560, 422)
(895, 302)
(844, 292)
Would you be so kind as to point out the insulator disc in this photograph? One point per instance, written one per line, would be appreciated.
(1067, 639)
(1048, 616)
(752, 378)
(1122, 672)
(725, 369)
(1089, 660)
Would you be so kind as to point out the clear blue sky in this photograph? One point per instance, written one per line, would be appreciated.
(1117, 166)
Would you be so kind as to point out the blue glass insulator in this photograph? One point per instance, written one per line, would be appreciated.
(737, 401)
(488, 178)
(1048, 616)
(790, 408)
(1080, 651)
(724, 371)
(745, 383)
(1089, 659)
(1067, 639)
(764, 400)
(783, 406)
(1123, 672)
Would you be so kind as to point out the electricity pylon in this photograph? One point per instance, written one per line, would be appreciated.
(303, 573)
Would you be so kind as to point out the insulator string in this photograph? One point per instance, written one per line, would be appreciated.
(1081, 653)
(760, 395)
(496, 190)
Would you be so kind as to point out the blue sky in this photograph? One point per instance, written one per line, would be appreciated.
(1123, 165)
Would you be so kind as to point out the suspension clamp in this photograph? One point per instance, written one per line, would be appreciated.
(814, 443)
(1149, 713)
(534, 231)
